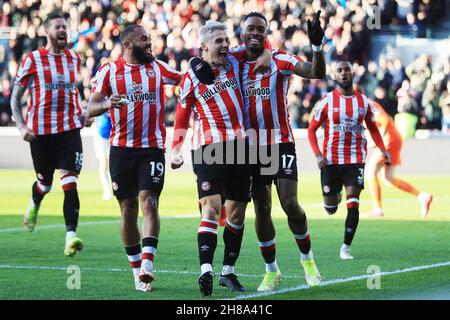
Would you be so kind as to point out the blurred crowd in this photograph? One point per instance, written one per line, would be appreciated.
(95, 26)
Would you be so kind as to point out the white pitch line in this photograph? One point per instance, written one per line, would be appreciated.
(6, 266)
(341, 280)
(91, 223)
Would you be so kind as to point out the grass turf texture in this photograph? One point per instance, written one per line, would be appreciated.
(32, 265)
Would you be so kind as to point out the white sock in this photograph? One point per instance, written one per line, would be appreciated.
(344, 246)
(272, 267)
(308, 256)
(378, 210)
(227, 270)
(70, 235)
(136, 271)
(206, 267)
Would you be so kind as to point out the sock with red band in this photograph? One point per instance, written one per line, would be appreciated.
(304, 244)
(207, 243)
(149, 246)
(232, 237)
(134, 257)
(268, 251)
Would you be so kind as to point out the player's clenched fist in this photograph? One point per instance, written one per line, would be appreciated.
(321, 161)
(387, 158)
(27, 134)
(118, 101)
(177, 160)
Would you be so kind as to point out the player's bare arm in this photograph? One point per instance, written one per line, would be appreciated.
(98, 105)
(16, 108)
(315, 69)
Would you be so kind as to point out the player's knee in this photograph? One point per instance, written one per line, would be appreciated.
(290, 205)
(330, 209)
(352, 201)
(69, 181)
(44, 186)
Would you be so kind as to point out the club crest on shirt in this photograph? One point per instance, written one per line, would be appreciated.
(151, 73)
(61, 78)
(70, 67)
(137, 87)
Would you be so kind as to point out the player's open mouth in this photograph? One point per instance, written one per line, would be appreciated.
(148, 50)
(62, 37)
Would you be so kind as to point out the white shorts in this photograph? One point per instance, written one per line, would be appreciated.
(101, 145)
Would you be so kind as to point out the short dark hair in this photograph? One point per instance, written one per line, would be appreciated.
(53, 16)
(255, 14)
(127, 31)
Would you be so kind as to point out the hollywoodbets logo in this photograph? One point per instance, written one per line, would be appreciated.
(138, 95)
(228, 84)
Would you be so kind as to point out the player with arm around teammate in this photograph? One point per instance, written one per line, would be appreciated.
(267, 118)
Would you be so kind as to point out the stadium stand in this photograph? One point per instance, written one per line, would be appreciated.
(418, 87)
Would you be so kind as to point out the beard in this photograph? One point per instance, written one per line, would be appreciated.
(256, 51)
(346, 85)
(142, 56)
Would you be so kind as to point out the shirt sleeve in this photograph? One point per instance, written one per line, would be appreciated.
(316, 122)
(100, 83)
(286, 62)
(26, 71)
(169, 75)
(186, 99)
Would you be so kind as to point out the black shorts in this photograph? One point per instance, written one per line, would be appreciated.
(333, 177)
(133, 170)
(230, 179)
(56, 151)
(282, 165)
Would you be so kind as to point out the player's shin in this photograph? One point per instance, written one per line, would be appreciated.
(207, 243)
(351, 223)
(232, 238)
(71, 201)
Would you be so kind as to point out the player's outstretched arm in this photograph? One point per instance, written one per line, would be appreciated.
(316, 69)
(16, 108)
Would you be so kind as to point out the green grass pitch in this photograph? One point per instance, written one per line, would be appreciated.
(413, 255)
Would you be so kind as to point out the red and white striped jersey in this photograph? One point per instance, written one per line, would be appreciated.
(265, 99)
(218, 108)
(55, 103)
(344, 136)
(140, 124)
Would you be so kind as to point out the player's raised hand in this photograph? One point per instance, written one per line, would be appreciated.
(315, 32)
(321, 161)
(118, 101)
(387, 158)
(202, 70)
(27, 134)
(177, 160)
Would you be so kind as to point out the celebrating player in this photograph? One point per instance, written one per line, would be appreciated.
(214, 96)
(135, 87)
(393, 142)
(344, 148)
(53, 123)
(267, 115)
